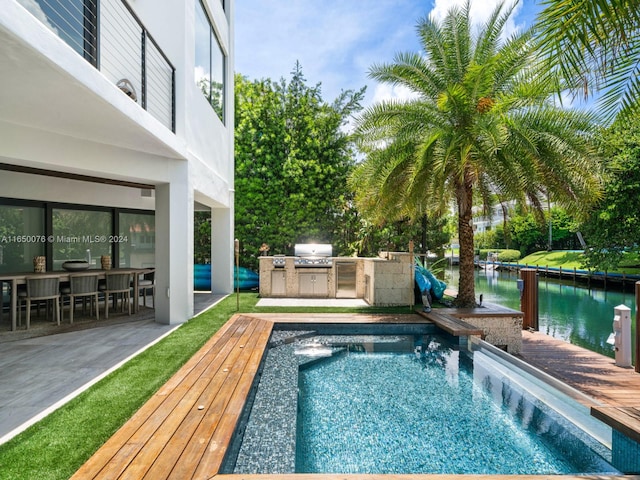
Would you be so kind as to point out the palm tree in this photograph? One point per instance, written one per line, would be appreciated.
(482, 121)
(596, 45)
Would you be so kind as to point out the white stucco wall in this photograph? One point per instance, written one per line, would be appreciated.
(58, 113)
(62, 190)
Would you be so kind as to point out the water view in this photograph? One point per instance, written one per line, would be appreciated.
(573, 313)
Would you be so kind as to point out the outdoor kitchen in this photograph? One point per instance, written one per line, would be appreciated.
(313, 272)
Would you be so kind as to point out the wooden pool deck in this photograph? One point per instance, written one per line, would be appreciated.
(183, 431)
(615, 389)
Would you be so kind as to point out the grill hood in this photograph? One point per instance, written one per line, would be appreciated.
(313, 250)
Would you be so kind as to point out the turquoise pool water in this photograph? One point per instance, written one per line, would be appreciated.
(409, 404)
(428, 411)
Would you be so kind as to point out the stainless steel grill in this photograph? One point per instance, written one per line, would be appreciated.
(313, 255)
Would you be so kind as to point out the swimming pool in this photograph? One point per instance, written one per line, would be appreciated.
(408, 403)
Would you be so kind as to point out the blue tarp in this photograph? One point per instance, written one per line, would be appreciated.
(423, 282)
(243, 278)
(427, 282)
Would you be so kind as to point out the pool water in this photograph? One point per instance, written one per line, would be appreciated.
(411, 404)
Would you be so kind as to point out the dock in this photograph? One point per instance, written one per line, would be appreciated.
(621, 281)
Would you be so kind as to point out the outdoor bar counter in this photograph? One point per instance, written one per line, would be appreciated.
(383, 280)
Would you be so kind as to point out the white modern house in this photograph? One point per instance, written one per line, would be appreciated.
(116, 124)
(484, 222)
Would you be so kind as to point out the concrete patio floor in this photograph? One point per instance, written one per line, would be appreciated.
(42, 369)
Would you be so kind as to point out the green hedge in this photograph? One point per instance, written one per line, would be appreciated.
(509, 255)
(504, 255)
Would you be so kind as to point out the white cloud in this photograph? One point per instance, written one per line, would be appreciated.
(336, 41)
(384, 92)
(34, 9)
(480, 12)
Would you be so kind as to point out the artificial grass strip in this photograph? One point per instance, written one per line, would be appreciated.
(54, 448)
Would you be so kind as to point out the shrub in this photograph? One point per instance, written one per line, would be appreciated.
(509, 255)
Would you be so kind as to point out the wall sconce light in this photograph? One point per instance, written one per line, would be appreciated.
(127, 87)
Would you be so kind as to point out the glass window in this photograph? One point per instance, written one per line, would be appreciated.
(217, 77)
(22, 237)
(138, 235)
(209, 62)
(81, 235)
(74, 21)
(203, 59)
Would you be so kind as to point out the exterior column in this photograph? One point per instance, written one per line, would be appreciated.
(174, 247)
(222, 253)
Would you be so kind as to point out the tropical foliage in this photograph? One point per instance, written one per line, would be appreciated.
(530, 233)
(293, 158)
(596, 45)
(482, 120)
(613, 231)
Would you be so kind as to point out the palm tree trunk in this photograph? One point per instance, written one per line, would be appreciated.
(466, 287)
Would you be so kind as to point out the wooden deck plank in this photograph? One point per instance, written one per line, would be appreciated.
(241, 371)
(624, 419)
(592, 373)
(104, 457)
(340, 318)
(161, 451)
(212, 457)
(155, 413)
(451, 324)
(234, 327)
(616, 389)
(116, 454)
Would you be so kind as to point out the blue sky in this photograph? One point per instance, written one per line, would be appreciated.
(336, 41)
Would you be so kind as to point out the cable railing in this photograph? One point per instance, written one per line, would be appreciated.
(110, 36)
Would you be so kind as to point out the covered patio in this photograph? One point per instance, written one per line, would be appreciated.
(44, 367)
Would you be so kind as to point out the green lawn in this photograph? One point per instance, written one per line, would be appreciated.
(557, 258)
(570, 259)
(58, 445)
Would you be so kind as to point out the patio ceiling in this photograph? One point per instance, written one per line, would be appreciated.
(74, 99)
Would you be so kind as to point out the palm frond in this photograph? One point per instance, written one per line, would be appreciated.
(594, 44)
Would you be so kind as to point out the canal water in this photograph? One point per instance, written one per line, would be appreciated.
(573, 313)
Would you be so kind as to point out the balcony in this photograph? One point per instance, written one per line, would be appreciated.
(109, 36)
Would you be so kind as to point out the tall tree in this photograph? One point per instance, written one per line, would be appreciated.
(614, 229)
(293, 158)
(596, 46)
(482, 120)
